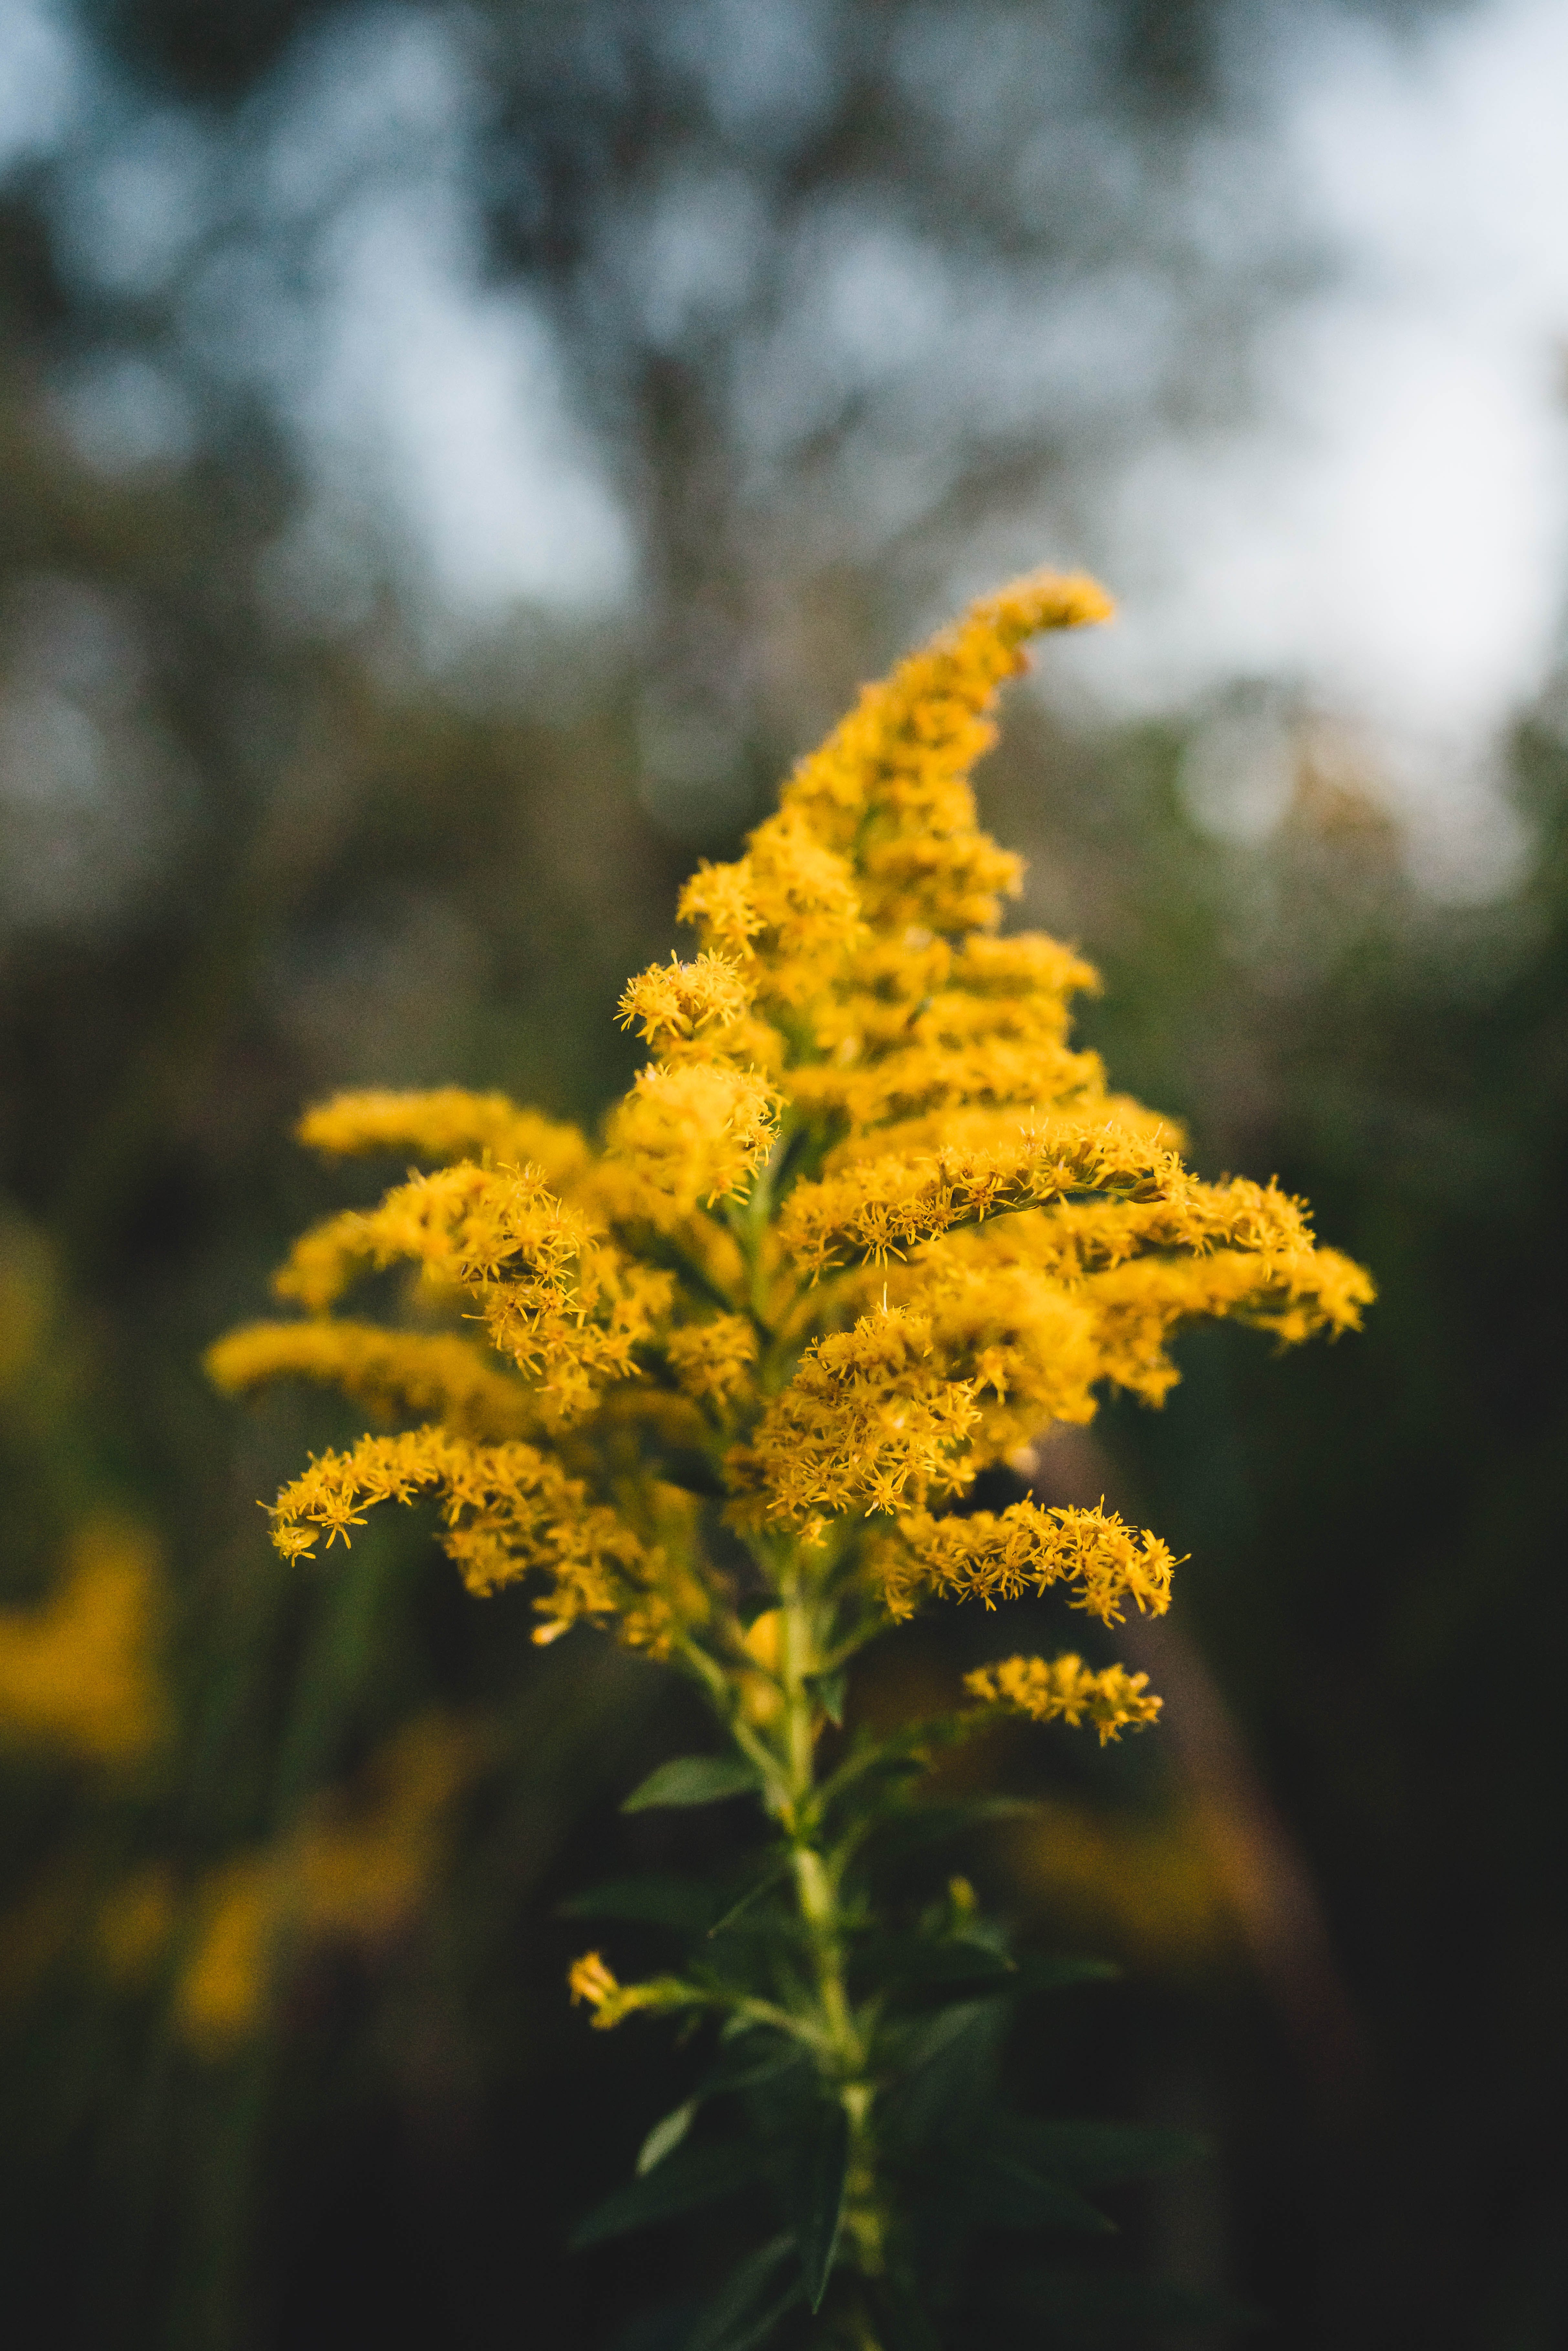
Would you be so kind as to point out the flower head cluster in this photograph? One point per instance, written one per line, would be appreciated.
(865, 1221)
(1067, 1690)
(78, 1671)
(609, 2002)
(345, 1873)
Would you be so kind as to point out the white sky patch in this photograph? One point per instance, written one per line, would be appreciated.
(1392, 535)
(442, 403)
(1388, 537)
(42, 76)
(431, 408)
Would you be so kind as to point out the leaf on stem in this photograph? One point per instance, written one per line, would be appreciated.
(1007, 2194)
(732, 2321)
(947, 2070)
(665, 2137)
(692, 1471)
(952, 1960)
(904, 1755)
(901, 2318)
(691, 2177)
(905, 1828)
(694, 1779)
(762, 1881)
(1060, 1975)
(820, 2195)
(682, 1903)
(957, 1967)
(829, 1691)
(742, 2069)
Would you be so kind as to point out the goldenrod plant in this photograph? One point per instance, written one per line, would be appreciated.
(720, 1384)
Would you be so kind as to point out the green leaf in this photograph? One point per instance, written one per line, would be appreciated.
(1097, 2155)
(665, 2137)
(760, 1886)
(904, 1754)
(1007, 2194)
(680, 1902)
(694, 1779)
(692, 2176)
(692, 1471)
(828, 1690)
(731, 2321)
(910, 1826)
(949, 2055)
(946, 2066)
(740, 2070)
(901, 2322)
(820, 2196)
(956, 1968)
(1063, 1974)
(922, 1960)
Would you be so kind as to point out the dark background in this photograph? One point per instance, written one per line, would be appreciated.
(287, 801)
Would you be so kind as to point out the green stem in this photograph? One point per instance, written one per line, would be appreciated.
(806, 1629)
(801, 1649)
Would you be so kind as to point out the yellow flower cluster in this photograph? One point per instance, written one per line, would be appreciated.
(610, 2001)
(864, 1223)
(435, 1374)
(355, 1874)
(868, 1420)
(1067, 1690)
(556, 1302)
(355, 1866)
(506, 1508)
(1003, 1555)
(691, 1133)
(79, 1673)
(447, 1124)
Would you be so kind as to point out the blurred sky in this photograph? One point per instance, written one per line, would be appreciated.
(1376, 517)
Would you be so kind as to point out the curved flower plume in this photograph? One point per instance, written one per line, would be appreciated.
(866, 1221)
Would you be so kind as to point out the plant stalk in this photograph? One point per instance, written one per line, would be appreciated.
(817, 1894)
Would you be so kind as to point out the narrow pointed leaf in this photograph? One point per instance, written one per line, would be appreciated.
(908, 1827)
(694, 1472)
(665, 2137)
(901, 2322)
(1007, 2194)
(828, 1690)
(1063, 1974)
(820, 2196)
(904, 1754)
(692, 2176)
(733, 2320)
(743, 2069)
(920, 1959)
(755, 2331)
(955, 1970)
(958, 2045)
(693, 1780)
(754, 1893)
(680, 1902)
